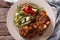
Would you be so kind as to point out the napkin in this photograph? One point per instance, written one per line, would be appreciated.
(55, 4)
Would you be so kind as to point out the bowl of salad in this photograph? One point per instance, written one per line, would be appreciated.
(30, 20)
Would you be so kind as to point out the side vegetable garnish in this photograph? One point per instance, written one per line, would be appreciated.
(25, 14)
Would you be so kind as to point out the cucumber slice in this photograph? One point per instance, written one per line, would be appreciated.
(35, 10)
(21, 12)
(33, 5)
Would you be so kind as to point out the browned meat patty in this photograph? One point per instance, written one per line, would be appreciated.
(36, 28)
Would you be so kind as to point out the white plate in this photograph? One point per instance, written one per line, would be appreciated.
(12, 28)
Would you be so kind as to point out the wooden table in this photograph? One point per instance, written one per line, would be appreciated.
(4, 33)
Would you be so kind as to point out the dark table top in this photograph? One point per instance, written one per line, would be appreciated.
(4, 33)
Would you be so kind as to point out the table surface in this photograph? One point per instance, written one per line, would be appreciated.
(4, 33)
